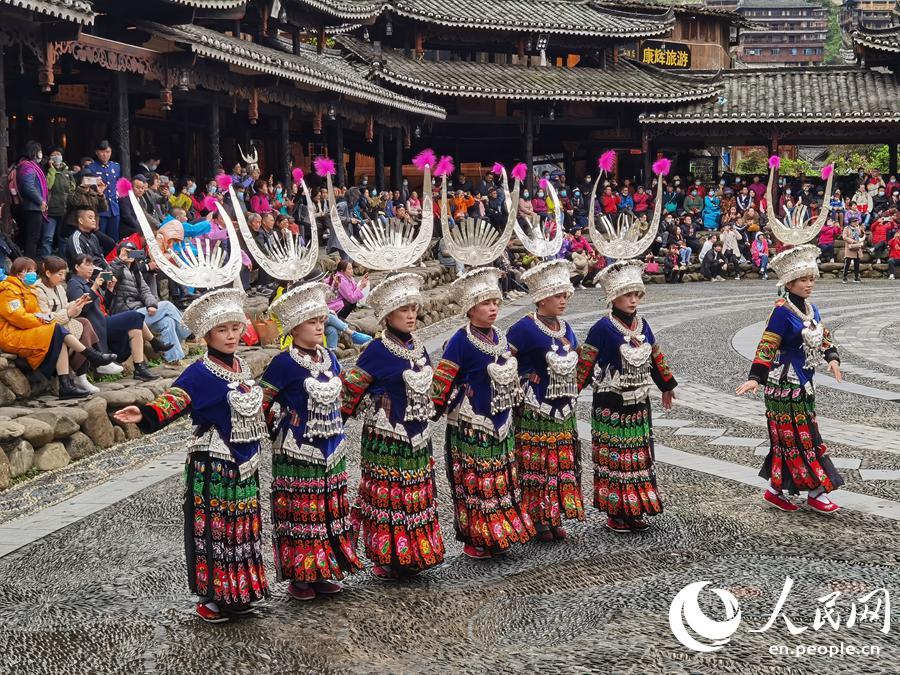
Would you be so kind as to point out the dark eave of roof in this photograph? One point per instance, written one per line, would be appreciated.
(77, 11)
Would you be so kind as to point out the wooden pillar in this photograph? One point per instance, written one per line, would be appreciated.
(4, 126)
(295, 41)
(121, 128)
(284, 148)
(351, 166)
(341, 174)
(379, 157)
(212, 139)
(648, 158)
(320, 40)
(892, 157)
(528, 147)
(776, 190)
(397, 169)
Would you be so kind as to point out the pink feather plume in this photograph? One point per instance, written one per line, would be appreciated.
(774, 162)
(662, 166)
(123, 187)
(444, 166)
(324, 166)
(544, 183)
(425, 158)
(607, 161)
(497, 169)
(827, 170)
(520, 171)
(223, 180)
(209, 203)
(297, 175)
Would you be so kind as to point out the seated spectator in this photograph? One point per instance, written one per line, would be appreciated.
(539, 205)
(744, 200)
(879, 233)
(128, 219)
(837, 206)
(88, 195)
(893, 255)
(759, 252)
(580, 243)
(182, 200)
(670, 200)
(349, 292)
(731, 249)
(692, 240)
(730, 217)
(673, 268)
(122, 334)
(525, 214)
(750, 221)
(414, 205)
(626, 202)
(860, 204)
(713, 263)
(37, 337)
(829, 232)
(460, 204)
(334, 327)
(711, 211)
(88, 239)
(609, 202)
(132, 292)
(693, 206)
(260, 202)
(495, 209)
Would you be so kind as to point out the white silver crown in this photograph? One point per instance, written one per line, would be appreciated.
(286, 257)
(300, 304)
(621, 277)
(215, 308)
(199, 263)
(619, 235)
(796, 228)
(396, 291)
(385, 244)
(478, 285)
(543, 240)
(549, 278)
(796, 263)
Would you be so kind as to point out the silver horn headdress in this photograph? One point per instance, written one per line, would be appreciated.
(286, 257)
(251, 160)
(537, 242)
(382, 244)
(619, 236)
(200, 263)
(475, 241)
(796, 228)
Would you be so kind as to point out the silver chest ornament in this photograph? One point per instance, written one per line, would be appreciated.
(323, 396)
(419, 406)
(561, 364)
(813, 335)
(247, 423)
(506, 388)
(635, 363)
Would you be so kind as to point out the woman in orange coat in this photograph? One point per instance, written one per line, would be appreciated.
(36, 337)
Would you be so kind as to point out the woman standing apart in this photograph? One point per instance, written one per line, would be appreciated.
(793, 345)
(477, 384)
(622, 359)
(222, 523)
(547, 446)
(397, 502)
(310, 512)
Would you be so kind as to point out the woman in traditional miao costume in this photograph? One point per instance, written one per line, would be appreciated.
(546, 435)
(477, 384)
(397, 502)
(221, 505)
(622, 359)
(311, 530)
(793, 345)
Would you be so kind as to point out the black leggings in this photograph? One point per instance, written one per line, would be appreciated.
(346, 309)
(855, 267)
(33, 223)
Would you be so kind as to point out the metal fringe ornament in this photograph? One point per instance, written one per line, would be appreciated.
(323, 396)
(561, 367)
(247, 423)
(419, 406)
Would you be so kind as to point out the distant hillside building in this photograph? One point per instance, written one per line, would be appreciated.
(786, 32)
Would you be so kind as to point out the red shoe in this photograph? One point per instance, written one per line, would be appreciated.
(780, 502)
(210, 615)
(559, 533)
(820, 506)
(384, 572)
(477, 553)
(617, 526)
(301, 592)
(545, 535)
(639, 525)
(327, 587)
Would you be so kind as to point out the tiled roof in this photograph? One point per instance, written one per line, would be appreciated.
(887, 40)
(561, 17)
(786, 95)
(328, 71)
(209, 4)
(624, 83)
(694, 7)
(79, 11)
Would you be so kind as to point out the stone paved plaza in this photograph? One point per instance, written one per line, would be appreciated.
(92, 570)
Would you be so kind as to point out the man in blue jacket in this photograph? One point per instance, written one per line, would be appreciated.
(110, 172)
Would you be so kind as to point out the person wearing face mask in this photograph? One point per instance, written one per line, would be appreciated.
(31, 184)
(60, 184)
(787, 195)
(539, 204)
(37, 337)
(880, 202)
(693, 204)
(183, 199)
(149, 165)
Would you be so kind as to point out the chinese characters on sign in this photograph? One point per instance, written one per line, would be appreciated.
(665, 54)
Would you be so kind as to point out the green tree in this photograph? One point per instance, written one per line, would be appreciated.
(754, 161)
(848, 158)
(794, 167)
(833, 37)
